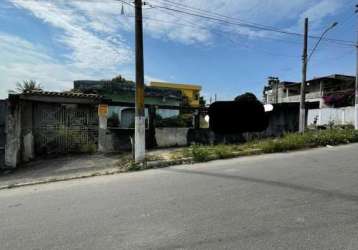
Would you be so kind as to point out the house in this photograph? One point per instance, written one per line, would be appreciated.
(119, 93)
(191, 93)
(327, 91)
(329, 99)
(123, 91)
(49, 123)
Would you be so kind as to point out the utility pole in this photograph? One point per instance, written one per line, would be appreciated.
(139, 133)
(356, 83)
(302, 118)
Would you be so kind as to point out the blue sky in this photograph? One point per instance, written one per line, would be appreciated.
(58, 41)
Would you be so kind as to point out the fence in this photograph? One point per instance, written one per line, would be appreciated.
(63, 129)
(325, 116)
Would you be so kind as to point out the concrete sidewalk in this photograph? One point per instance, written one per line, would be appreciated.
(67, 167)
(80, 166)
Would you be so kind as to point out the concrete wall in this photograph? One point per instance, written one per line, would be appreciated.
(115, 140)
(325, 116)
(28, 147)
(13, 135)
(169, 137)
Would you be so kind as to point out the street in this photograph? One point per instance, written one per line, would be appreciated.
(301, 200)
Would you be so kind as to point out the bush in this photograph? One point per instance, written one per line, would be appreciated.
(134, 167)
(296, 141)
(333, 137)
(200, 153)
(288, 142)
(223, 152)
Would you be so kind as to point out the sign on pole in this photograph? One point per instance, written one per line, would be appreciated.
(103, 110)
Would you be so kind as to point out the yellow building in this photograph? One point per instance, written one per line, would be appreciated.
(190, 92)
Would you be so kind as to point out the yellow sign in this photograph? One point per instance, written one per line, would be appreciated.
(103, 110)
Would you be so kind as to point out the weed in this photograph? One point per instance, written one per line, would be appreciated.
(200, 153)
(288, 142)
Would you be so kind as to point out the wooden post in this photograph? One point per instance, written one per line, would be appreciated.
(139, 137)
(302, 118)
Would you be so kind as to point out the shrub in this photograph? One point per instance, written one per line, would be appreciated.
(224, 151)
(132, 167)
(200, 153)
(288, 142)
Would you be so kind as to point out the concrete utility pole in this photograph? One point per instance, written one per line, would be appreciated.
(139, 134)
(302, 118)
(356, 84)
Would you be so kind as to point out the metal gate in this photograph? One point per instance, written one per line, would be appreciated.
(61, 129)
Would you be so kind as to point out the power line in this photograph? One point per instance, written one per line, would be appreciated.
(220, 32)
(215, 14)
(192, 11)
(253, 26)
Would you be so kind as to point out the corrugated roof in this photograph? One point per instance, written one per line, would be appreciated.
(117, 88)
(62, 94)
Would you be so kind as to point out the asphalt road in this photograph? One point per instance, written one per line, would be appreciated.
(302, 200)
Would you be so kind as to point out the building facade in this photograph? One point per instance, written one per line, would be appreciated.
(190, 93)
(323, 92)
(118, 93)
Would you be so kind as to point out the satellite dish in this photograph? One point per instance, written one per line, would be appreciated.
(268, 107)
(207, 118)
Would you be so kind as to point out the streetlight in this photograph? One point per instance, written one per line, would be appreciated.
(305, 59)
(320, 39)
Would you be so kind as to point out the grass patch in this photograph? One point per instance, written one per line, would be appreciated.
(288, 142)
(135, 167)
(200, 153)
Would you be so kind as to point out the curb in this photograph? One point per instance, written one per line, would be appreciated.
(149, 165)
(61, 178)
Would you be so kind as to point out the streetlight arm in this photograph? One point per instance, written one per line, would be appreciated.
(320, 39)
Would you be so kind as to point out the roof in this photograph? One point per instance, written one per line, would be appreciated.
(57, 97)
(334, 76)
(106, 88)
(61, 94)
(288, 83)
(315, 79)
(175, 85)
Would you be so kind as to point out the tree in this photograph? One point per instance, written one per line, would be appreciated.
(121, 79)
(28, 85)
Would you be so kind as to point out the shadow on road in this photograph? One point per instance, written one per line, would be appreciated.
(323, 192)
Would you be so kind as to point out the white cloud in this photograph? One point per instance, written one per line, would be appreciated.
(93, 32)
(91, 26)
(148, 79)
(26, 61)
(320, 10)
(191, 29)
(89, 50)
